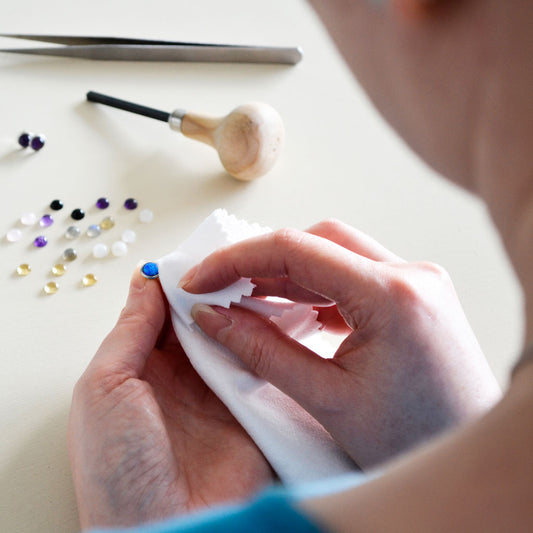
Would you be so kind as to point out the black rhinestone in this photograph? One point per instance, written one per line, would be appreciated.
(77, 214)
(56, 205)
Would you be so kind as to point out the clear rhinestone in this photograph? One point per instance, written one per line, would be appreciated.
(14, 235)
(28, 219)
(146, 216)
(129, 236)
(119, 249)
(100, 250)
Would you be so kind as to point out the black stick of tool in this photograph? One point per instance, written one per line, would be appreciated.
(128, 106)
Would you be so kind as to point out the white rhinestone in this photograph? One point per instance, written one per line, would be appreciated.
(146, 215)
(13, 235)
(119, 249)
(100, 250)
(129, 236)
(28, 219)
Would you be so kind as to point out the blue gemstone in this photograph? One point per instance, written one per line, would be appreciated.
(150, 270)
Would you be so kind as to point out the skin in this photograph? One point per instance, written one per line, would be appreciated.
(402, 323)
(454, 79)
(147, 438)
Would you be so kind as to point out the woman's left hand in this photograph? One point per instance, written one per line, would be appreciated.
(147, 438)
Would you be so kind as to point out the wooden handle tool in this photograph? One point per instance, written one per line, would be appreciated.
(248, 140)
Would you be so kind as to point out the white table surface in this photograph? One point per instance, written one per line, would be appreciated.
(340, 160)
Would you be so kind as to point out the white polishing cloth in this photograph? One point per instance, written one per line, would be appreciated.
(295, 444)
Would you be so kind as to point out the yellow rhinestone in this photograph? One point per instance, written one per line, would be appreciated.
(107, 223)
(59, 269)
(51, 287)
(89, 280)
(24, 269)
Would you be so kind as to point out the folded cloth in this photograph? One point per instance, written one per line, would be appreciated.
(297, 447)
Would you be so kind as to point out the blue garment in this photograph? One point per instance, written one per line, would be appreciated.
(272, 511)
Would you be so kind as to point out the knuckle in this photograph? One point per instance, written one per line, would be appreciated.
(260, 356)
(330, 225)
(98, 379)
(404, 290)
(256, 348)
(416, 285)
(287, 238)
(433, 269)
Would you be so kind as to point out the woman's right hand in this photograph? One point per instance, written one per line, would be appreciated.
(409, 366)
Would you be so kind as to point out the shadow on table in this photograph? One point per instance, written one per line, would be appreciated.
(36, 490)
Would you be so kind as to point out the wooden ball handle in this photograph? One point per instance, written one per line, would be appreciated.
(248, 140)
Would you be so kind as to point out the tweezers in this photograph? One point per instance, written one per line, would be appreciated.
(126, 49)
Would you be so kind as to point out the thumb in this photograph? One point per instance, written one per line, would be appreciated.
(127, 347)
(269, 353)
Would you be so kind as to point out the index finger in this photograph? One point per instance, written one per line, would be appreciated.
(307, 260)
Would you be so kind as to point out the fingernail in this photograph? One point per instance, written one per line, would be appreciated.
(187, 277)
(210, 320)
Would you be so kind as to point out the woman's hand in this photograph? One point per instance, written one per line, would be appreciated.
(409, 366)
(147, 438)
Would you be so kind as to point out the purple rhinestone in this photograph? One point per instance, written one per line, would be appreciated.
(102, 203)
(24, 139)
(40, 241)
(46, 220)
(130, 204)
(37, 142)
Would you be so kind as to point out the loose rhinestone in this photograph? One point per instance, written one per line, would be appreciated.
(100, 250)
(77, 214)
(59, 269)
(102, 203)
(70, 254)
(146, 216)
(40, 241)
(73, 232)
(150, 270)
(107, 223)
(13, 235)
(130, 204)
(93, 230)
(129, 236)
(37, 142)
(46, 220)
(51, 287)
(24, 139)
(119, 249)
(56, 205)
(28, 219)
(89, 280)
(24, 269)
